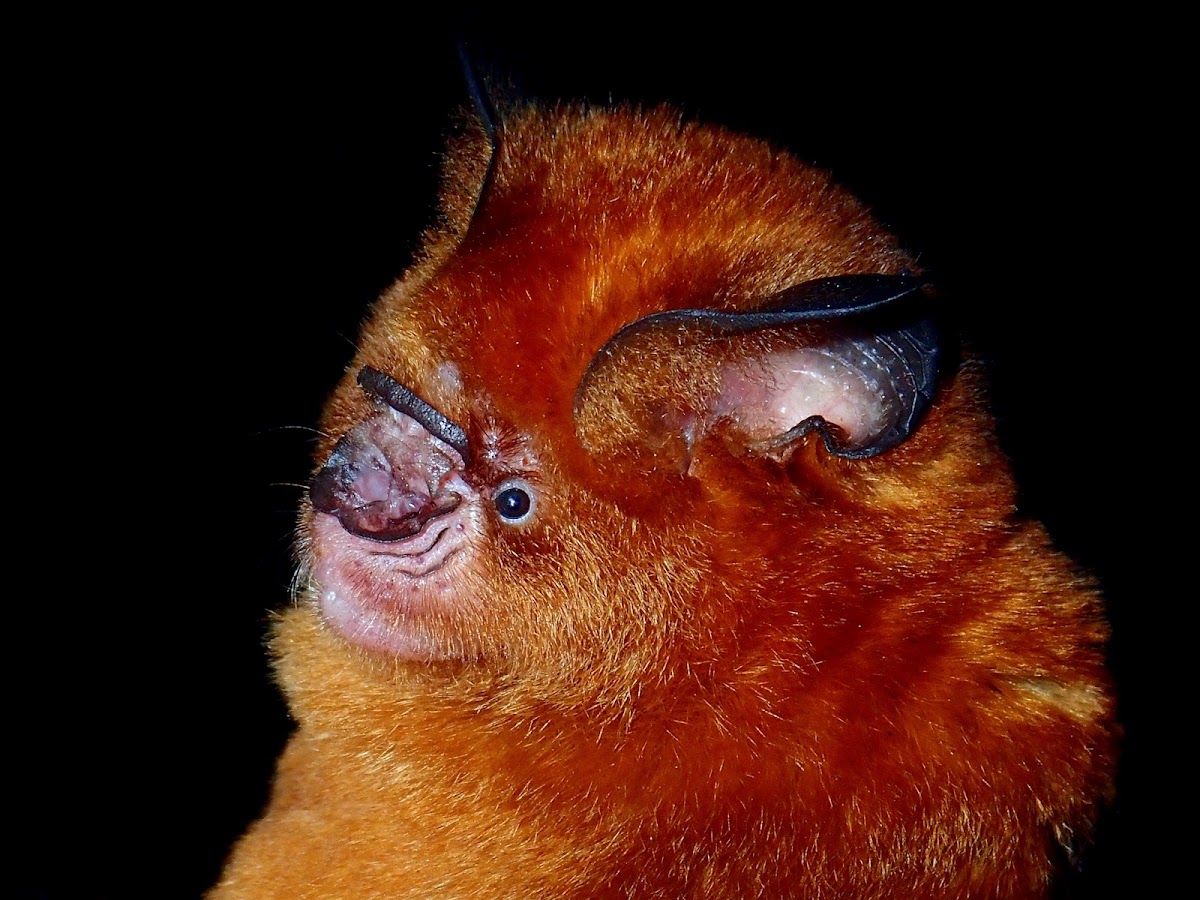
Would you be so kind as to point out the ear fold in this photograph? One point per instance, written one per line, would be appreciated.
(854, 358)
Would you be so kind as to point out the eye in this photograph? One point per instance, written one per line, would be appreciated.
(515, 501)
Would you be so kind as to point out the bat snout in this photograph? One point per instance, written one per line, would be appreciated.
(393, 537)
(387, 478)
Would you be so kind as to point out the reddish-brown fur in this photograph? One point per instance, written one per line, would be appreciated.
(762, 676)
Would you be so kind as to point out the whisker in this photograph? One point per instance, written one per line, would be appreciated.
(274, 429)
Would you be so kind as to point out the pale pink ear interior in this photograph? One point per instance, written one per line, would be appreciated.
(766, 378)
(767, 396)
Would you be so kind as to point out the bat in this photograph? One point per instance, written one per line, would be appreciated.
(660, 545)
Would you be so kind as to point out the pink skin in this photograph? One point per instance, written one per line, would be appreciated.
(384, 594)
(785, 388)
(380, 596)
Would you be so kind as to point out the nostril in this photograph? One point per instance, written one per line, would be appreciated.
(387, 477)
(333, 487)
(386, 522)
(371, 503)
(324, 491)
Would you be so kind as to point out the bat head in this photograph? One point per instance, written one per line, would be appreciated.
(655, 398)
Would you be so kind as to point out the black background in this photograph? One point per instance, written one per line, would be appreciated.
(226, 199)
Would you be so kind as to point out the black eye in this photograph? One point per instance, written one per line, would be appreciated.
(514, 501)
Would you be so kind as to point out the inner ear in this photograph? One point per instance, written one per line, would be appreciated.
(854, 358)
(863, 393)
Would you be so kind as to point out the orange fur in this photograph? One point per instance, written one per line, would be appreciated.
(764, 676)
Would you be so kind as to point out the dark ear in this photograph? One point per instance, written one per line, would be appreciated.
(853, 358)
(479, 89)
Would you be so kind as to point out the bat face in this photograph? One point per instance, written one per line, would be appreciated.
(652, 494)
(552, 432)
